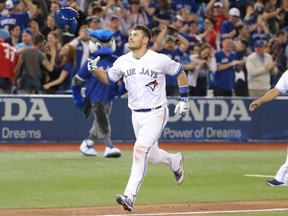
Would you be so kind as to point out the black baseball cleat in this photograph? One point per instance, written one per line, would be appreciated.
(275, 183)
(179, 174)
(125, 202)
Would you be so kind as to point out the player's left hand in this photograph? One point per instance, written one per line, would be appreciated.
(254, 105)
(183, 106)
(92, 64)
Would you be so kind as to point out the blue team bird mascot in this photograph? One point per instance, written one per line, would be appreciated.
(98, 96)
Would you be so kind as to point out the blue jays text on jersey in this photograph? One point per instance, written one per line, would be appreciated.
(144, 71)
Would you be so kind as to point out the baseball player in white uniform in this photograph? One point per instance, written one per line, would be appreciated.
(281, 178)
(143, 72)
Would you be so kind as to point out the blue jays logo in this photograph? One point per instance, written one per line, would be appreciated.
(152, 85)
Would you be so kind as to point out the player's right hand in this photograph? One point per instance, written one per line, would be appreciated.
(92, 64)
(254, 105)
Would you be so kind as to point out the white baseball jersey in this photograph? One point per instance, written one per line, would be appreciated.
(144, 78)
(282, 84)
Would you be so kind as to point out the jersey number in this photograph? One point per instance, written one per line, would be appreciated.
(9, 54)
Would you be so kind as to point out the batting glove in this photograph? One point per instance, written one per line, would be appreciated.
(183, 106)
(92, 64)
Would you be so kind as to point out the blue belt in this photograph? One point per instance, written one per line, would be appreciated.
(147, 110)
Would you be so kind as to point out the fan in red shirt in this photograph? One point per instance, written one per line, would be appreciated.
(218, 11)
(8, 59)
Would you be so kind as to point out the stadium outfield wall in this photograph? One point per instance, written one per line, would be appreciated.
(54, 118)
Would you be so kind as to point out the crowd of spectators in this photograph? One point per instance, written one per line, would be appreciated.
(226, 47)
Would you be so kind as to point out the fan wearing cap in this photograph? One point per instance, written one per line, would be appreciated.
(175, 46)
(180, 24)
(96, 10)
(218, 11)
(93, 23)
(26, 40)
(259, 68)
(228, 27)
(118, 27)
(16, 17)
(257, 25)
(183, 17)
(257, 16)
(191, 5)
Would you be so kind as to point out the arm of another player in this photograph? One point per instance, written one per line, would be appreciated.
(269, 96)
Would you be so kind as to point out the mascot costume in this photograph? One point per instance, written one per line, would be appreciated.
(98, 96)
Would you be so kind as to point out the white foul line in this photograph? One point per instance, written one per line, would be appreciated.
(260, 176)
(207, 212)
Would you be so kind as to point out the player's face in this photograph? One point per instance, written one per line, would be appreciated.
(135, 40)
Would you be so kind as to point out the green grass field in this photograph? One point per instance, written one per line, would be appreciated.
(68, 179)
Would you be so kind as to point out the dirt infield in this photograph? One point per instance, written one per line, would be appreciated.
(165, 209)
(128, 146)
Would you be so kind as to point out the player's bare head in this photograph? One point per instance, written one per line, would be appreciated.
(146, 31)
(139, 38)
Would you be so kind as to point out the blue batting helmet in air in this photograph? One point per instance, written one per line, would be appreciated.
(65, 18)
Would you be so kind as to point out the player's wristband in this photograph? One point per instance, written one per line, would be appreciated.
(183, 91)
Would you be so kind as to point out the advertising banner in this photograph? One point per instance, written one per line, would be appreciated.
(54, 118)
